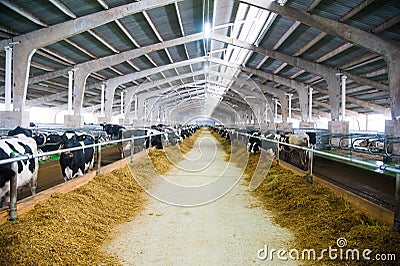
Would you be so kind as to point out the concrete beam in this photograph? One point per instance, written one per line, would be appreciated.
(388, 49)
(30, 42)
(352, 34)
(86, 68)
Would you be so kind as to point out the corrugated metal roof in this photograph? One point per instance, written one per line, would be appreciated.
(86, 47)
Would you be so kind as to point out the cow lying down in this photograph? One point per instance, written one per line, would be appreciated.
(19, 142)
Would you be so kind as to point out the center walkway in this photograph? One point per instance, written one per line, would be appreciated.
(225, 226)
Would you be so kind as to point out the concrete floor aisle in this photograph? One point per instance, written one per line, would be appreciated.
(223, 226)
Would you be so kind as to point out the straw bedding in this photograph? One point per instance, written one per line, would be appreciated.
(69, 229)
(316, 216)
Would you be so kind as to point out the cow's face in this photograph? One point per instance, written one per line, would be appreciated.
(69, 140)
(40, 139)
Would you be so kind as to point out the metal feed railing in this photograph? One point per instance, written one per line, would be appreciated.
(311, 152)
(15, 157)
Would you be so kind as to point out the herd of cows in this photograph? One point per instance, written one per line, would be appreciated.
(74, 162)
(80, 159)
(267, 140)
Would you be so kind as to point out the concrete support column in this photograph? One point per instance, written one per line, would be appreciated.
(310, 105)
(70, 89)
(394, 84)
(344, 77)
(109, 100)
(284, 108)
(103, 87)
(266, 112)
(136, 106)
(303, 99)
(128, 95)
(79, 89)
(76, 119)
(151, 109)
(334, 92)
(276, 110)
(22, 56)
(140, 111)
(122, 102)
(102, 117)
(8, 77)
(392, 127)
(290, 95)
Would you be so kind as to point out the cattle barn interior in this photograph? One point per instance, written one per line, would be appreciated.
(311, 87)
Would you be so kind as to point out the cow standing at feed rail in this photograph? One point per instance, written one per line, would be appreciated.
(124, 147)
(76, 163)
(171, 135)
(154, 138)
(20, 141)
(48, 141)
(254, 143)
(301, 139)
(112, 130)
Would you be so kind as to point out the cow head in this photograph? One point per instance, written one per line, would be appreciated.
(69, 140)
(40, 139)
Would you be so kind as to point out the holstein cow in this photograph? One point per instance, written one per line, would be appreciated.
(170, 134)
(301, 139)
(258, 140)
(154, 139)
(254, 143)
(20, 141)
(112, 130)
(124, 147)
(48, 141)
(76, 163)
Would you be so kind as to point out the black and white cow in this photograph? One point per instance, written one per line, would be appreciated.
(124, 147)
(171, 135)
(154, 138)
(254, 143)
(20, 141)
(112, 130)
(301, 139)
(48, 141)
(76, 163)
(20, 130)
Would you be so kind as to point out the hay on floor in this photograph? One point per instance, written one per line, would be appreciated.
(316, 216)
(70, 229)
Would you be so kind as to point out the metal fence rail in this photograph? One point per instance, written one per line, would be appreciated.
(311, 152)
(15, 157)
